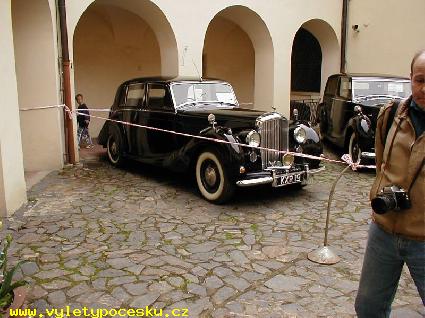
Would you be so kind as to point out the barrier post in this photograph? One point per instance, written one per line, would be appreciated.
(324, 254)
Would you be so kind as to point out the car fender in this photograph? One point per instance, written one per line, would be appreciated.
(361, 127)
(107, 129)
(232, 155)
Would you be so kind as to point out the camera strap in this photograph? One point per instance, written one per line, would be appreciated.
(391, 117)
(418, 172)
(390, 149)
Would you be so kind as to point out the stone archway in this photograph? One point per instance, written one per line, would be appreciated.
(320, 39)
(238, 48)
(118, 40)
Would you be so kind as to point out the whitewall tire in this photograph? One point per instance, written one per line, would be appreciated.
(354, 149)
(212, 179)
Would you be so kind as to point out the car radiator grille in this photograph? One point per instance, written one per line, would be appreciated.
(274, 131)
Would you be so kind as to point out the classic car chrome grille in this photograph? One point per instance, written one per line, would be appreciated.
(274, 130)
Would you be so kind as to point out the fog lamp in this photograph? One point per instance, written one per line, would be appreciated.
(288, 160)
(253, 156)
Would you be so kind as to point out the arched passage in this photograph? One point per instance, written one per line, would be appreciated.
(306, 63)
(118, 40)
(238, 48)
(37, 82)
(315, 56)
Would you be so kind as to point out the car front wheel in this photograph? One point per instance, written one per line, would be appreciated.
(354, 149)
(212, 178)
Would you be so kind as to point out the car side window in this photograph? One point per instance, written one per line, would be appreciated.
(135, 95)
(122, 97)
(332, 86)
(345, 87)
(159, 97)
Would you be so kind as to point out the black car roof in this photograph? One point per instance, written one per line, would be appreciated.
(169, 79)
(372, 75)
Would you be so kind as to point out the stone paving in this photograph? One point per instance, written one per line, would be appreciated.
(124, 238)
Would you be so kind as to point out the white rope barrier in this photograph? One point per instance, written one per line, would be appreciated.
(345, 159)
(42, 107)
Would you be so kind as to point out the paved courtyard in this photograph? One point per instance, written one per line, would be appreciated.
(128, 238)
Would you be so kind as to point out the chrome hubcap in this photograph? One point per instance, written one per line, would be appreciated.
(355, 152)
(210, 176)
(114, 148)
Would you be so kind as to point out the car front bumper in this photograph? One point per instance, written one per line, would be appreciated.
(368, 155)
(279, 178)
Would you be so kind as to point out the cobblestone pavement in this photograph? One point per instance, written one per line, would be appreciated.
(136, 237)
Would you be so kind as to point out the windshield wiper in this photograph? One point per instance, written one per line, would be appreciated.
(382, 95)
(195, 103)
(375, 96)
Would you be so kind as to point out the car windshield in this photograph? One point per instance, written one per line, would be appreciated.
(201, 94)
(381, 88)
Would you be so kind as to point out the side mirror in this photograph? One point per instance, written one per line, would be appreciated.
(295, 113)
(211, 120)
(357, 109)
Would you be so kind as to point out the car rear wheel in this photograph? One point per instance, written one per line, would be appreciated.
(114, 149)
(212, 178)
(354, 149)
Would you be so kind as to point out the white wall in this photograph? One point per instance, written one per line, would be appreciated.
(37, 76)
(390, 32)
(12, 183)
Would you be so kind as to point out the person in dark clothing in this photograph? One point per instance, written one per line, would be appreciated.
(83, 122)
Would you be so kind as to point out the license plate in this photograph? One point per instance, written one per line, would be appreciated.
(281, 180)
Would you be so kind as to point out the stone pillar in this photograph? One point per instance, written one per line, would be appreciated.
(12, 182)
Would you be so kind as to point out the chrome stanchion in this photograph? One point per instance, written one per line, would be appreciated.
(324, 254)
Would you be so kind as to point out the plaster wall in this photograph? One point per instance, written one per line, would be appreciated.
(12, 182)
(389, 33)
(37, 81)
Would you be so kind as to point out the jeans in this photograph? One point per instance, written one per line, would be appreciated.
(382, 266)
(83, 134)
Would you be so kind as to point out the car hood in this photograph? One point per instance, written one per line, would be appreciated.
(228, 117)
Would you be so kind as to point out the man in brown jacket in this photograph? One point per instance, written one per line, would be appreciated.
(397, 236)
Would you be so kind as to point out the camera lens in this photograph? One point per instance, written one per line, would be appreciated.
(383, 203)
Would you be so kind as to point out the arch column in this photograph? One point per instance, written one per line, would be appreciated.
(12, 182)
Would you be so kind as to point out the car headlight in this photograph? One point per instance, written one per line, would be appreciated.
(253, 138)
(300, 135)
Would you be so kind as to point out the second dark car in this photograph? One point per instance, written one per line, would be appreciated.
(350, 108)
(207, 108)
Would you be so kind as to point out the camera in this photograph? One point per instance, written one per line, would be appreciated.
(391, 198)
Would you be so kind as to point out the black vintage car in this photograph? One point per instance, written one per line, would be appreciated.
(350, 108)
(210, 109)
